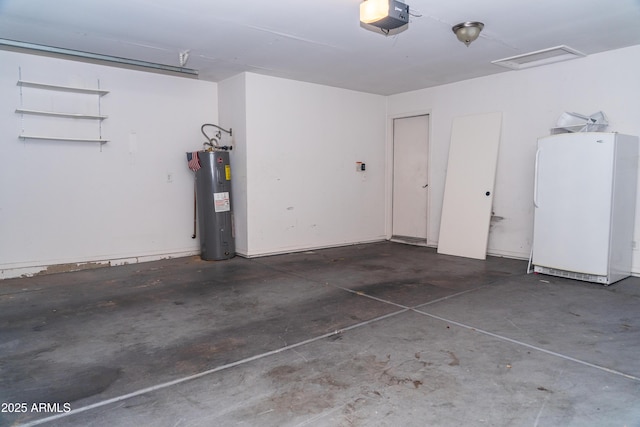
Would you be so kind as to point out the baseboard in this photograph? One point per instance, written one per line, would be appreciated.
(28, 270)
(307, 248)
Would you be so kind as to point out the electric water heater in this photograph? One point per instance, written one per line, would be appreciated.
(213, 196)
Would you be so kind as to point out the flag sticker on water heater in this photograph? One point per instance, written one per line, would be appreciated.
(221, 202)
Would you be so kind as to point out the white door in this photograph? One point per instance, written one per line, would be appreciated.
(468, 190)
(410, 184)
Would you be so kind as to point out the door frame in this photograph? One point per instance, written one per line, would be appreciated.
(389, 171)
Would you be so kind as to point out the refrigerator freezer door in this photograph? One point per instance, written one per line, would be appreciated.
(573, 202)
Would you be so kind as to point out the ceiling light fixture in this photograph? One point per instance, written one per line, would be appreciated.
(384, 14)
(468, 31)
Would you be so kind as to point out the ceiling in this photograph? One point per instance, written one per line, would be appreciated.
(322, 41)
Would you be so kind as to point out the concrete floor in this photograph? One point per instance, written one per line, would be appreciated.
(381, 334)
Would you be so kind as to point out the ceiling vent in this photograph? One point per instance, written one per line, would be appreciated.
(540, 57)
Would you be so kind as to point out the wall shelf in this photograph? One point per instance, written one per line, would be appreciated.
(43, 99)
(45, 86)
(69, 115)
(60, 138)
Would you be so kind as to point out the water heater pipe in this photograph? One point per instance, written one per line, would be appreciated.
(212, 142)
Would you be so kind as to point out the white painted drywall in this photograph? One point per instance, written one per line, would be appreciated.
(73, 202)
(293, 167)
(232, 112)
(302, 143)
(531, 101)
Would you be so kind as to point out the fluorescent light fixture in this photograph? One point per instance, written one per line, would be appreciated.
(539, 57)
(4, 43)
(384, 14)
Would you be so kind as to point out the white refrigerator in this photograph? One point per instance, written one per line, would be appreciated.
(584, 206)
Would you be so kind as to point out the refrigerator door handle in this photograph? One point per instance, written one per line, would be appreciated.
(535, 180)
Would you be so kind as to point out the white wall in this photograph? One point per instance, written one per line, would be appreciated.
(531, 101)
(78, 202)
(232, 112)
(302, 143)
(293, 166)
